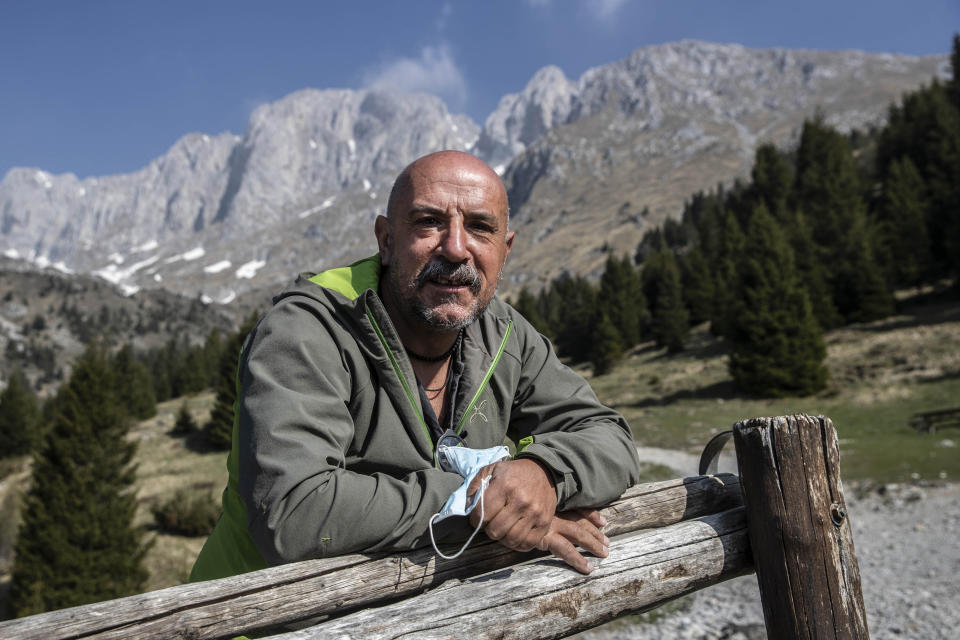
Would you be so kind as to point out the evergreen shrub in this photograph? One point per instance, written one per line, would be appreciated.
(187, 514)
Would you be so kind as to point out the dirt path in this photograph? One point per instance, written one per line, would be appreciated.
(685, 464)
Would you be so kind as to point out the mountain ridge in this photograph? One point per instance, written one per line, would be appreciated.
(217, 216)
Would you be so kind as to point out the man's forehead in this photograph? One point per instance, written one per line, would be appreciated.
(433, 181)
(447, 175)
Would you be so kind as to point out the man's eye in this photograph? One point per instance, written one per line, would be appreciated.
(482, 227)
(427, 222)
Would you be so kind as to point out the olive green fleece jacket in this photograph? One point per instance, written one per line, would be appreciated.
(331, 454)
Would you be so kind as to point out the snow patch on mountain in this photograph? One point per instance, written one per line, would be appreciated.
(217, 267)
(150, 245)
(249, 270)
(112, 273)
(320, 207)
(194, 254)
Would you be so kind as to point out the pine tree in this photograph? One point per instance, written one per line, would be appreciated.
(953, 87)
(606, 347)
(134, 384)
(526, 305)
(77, 543)
(19, 417)
(621, 296)
(212, 350)
(731, 244)
(828, 191)
(190, 374)
(776, 344)
(698, 291)
(184, 424)
(671, 321)
(859, 286)
(218, 432)
(904, 246)
(812, 272)
(926, 129)
(576, 311)
(651, 274)
(772, 181)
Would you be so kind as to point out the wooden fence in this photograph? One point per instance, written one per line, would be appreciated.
(667, 539)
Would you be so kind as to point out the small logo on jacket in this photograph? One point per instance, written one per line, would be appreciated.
(478, 412)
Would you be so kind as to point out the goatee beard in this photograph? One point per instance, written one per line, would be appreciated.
(458, 274)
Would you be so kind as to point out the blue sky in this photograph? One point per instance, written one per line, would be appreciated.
(99, 87)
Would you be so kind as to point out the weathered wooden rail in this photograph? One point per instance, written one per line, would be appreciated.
(667, 539)
(928, 421)
(287, 594)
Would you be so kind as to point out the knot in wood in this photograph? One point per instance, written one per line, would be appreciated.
(837, 513)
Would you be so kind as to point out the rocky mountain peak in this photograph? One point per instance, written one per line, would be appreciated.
(521, 118)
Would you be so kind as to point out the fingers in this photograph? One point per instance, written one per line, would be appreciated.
(517, 529)
(594, 516)
(581, 532)
(564, 549)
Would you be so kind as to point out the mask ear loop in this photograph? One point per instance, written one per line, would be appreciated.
(480, 492)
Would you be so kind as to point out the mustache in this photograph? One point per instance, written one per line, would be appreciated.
(460, 274)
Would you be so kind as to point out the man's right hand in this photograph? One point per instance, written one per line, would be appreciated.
(570, 529)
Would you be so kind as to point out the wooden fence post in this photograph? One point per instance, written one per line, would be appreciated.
(799, 530)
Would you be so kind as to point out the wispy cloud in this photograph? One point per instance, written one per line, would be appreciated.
(602, 10)
(445, 12)
(434, 71)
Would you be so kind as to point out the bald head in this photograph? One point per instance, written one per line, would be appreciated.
(442, 166)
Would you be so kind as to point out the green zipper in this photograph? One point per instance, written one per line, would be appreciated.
(486, 378)
(403, 380)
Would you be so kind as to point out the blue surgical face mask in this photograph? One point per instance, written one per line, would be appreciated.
(467, 462)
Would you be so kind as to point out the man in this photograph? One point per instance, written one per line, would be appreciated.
(352, 378)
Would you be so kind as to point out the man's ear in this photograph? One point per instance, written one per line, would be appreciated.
(381, 229)
(509, 243)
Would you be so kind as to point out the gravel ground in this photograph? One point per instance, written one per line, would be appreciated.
(907, 547)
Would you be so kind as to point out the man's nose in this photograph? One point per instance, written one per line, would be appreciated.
(453, 244)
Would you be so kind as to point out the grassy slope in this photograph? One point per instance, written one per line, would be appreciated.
(881, 373)
(166, 464)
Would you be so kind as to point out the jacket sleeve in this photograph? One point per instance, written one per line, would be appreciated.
(588, 446)
(295, 428)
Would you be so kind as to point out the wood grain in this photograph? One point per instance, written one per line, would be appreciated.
(544, 599)
(799, 529)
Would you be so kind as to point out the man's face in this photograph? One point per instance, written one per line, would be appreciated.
(446, 241)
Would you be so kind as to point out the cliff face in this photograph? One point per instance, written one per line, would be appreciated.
(217, 216)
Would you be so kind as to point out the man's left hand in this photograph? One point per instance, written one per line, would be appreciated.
(518, 504)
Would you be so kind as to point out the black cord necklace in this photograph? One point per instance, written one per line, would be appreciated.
(440, 358)
(446, 381)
